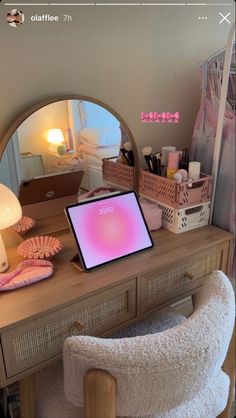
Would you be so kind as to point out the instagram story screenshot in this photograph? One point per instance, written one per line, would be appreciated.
(117, 208)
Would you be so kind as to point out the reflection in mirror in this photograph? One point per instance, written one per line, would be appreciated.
(64, 136)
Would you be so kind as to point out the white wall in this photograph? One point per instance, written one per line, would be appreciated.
(133, 58)
(33, 132)
(10, 165)
(5, 175)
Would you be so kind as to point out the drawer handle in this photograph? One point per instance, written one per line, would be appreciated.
(76, 325)
(79, 326)
(189, 276)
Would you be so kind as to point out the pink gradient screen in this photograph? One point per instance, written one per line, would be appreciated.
(109, 228)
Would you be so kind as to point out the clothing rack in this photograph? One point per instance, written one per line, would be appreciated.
(215, 64)
(220, 55)
(230, 47)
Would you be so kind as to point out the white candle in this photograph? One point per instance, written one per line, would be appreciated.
(194, 170)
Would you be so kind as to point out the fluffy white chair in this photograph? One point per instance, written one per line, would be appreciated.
(176, 373)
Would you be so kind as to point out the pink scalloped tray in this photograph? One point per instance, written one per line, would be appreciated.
(24, 225)
(41, 247)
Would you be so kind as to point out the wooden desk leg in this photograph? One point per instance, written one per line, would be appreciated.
(99, 394)
(27, 397)
(229, 369)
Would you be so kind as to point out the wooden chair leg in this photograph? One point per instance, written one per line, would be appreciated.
(99, 394)
(27, 397)
(194, 300)
(229, 369)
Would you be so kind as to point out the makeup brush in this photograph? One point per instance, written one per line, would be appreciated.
(128, 148)
(125, 155)
(158, 166)
(146, 151)
(154, 163)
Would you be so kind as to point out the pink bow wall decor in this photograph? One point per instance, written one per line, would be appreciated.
(164, 117)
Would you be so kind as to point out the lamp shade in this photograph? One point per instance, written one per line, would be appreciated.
(55, 139)
(55, 136)
(10, 208)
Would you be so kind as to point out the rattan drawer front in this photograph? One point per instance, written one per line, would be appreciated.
(42, 339)
(165, 284)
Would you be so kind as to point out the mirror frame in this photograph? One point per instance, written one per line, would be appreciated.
(39, 105)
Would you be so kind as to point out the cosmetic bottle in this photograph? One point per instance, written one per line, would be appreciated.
(164, 152)
(164, 158)
(194, 170)
(173, 164)
(185, 160)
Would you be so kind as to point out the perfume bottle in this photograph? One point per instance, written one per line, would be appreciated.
(173, 164)
(185, 160)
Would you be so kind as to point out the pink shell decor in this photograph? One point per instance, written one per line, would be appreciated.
(24, 225)
(26, 273)
(40, 247)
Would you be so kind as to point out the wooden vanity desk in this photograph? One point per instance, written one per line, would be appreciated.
(35, 320)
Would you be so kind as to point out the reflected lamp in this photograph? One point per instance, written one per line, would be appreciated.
(55, 139)
(10, 214)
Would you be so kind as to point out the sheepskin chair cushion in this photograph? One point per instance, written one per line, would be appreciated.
(175, 373)
(50, 399)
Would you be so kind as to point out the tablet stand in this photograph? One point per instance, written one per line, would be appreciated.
(76, 262)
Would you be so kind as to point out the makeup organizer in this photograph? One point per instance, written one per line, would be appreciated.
(180, 211)
(184, 206)
(171, 193)
(117, 174)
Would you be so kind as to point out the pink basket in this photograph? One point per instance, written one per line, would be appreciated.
(177, 195)
(117, 173)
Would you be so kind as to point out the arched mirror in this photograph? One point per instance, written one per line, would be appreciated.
(60, 145)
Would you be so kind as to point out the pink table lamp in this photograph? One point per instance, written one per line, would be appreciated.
(10, 213)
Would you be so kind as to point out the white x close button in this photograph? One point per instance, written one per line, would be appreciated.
(224, 18)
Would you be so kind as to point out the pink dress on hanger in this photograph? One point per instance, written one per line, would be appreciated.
(203, 140)
(202, 149)
(224, 207)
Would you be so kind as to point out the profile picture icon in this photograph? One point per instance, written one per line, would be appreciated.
(15, 18)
